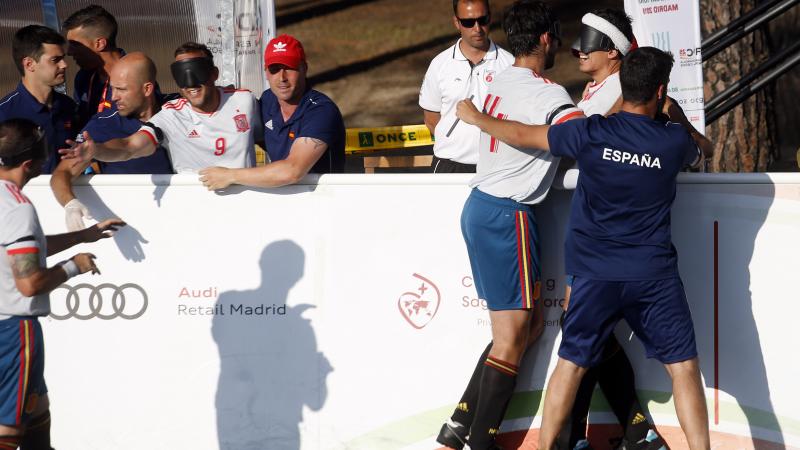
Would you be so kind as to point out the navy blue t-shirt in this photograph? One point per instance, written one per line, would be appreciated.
(89, 91)
(110, 124)
(58, 122)
(619, 227)
(315, 117)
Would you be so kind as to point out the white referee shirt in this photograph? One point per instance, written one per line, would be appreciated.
(197, 140)
(20, 233)
(451, 77)
(601, 97)
(521, 174)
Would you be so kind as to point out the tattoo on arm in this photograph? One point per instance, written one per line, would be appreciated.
(317, 143)
(25, 265)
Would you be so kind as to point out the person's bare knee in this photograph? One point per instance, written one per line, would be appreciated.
(510, 331)
(684, 369)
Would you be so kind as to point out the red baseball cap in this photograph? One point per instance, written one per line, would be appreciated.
(285, 50)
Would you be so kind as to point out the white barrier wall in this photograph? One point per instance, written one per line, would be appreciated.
(342, 315)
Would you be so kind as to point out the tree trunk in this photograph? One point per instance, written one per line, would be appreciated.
(744, 137)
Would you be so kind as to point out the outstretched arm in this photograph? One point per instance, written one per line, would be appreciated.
(134, 146)
(305, 152)
(31, 279)
(513, 133)
(57, 243)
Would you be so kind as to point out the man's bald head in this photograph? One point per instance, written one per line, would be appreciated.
(138, 67)
(133, 82)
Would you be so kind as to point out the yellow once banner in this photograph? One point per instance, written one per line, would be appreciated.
(383, 138)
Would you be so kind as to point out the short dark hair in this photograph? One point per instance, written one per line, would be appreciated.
(97, 18)
(643, 70)
(16, 137)
(619, 19)
(192, 47)
(525, 22)
(456, 2)
(29, 42)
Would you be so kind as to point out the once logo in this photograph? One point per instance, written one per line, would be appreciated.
(106, 301)
(419, 307)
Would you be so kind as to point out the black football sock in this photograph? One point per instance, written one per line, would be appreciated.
(465, 410)
(616, 379)
(496, 388)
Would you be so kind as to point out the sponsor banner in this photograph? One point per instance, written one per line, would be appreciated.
(236, 31)
(674, 26)
(384, 138)
(342, 314)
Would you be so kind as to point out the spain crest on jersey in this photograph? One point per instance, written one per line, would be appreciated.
(241, 123)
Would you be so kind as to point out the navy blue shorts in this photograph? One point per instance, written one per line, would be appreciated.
(503, 246)
(656, 311)
(21, 369)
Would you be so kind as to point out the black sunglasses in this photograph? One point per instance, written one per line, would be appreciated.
(469, 23)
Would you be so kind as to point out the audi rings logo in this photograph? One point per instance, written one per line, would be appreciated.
(106, 301)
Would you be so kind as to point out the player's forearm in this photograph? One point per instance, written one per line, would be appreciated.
(61, 184)
(57, 243)
(514, 133)
(123, 149)
(276, 174)
(42, 281)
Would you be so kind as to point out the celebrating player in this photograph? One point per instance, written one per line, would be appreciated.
(605, 38)
(25, 284)
(499, 225)
(619, 245)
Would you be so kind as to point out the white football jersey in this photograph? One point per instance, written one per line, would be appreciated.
(521, 174)
(600, 97)
(20, 233)
(451, 78)
(197, 140)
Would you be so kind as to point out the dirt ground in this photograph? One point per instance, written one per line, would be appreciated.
(370, 55)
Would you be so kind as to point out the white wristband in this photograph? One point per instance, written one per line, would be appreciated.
(70, 268)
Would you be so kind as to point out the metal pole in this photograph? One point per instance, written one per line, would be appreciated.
(736, 23)
(745, 80)
(748, 91)
(734, 36)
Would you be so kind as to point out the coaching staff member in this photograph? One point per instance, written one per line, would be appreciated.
(135, 101)
(303, 128)
(619, 244)
(92, 37)
(38, 53)
(25, 285)
(464, 70)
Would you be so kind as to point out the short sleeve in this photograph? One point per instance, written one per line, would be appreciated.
(323, 122)
(18, 233)
(567, 139)
(153, 128)
(430, 94)
(557, 105)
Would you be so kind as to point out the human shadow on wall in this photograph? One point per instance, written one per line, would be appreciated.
(270, 367)
(128, 239)
(741, 369)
